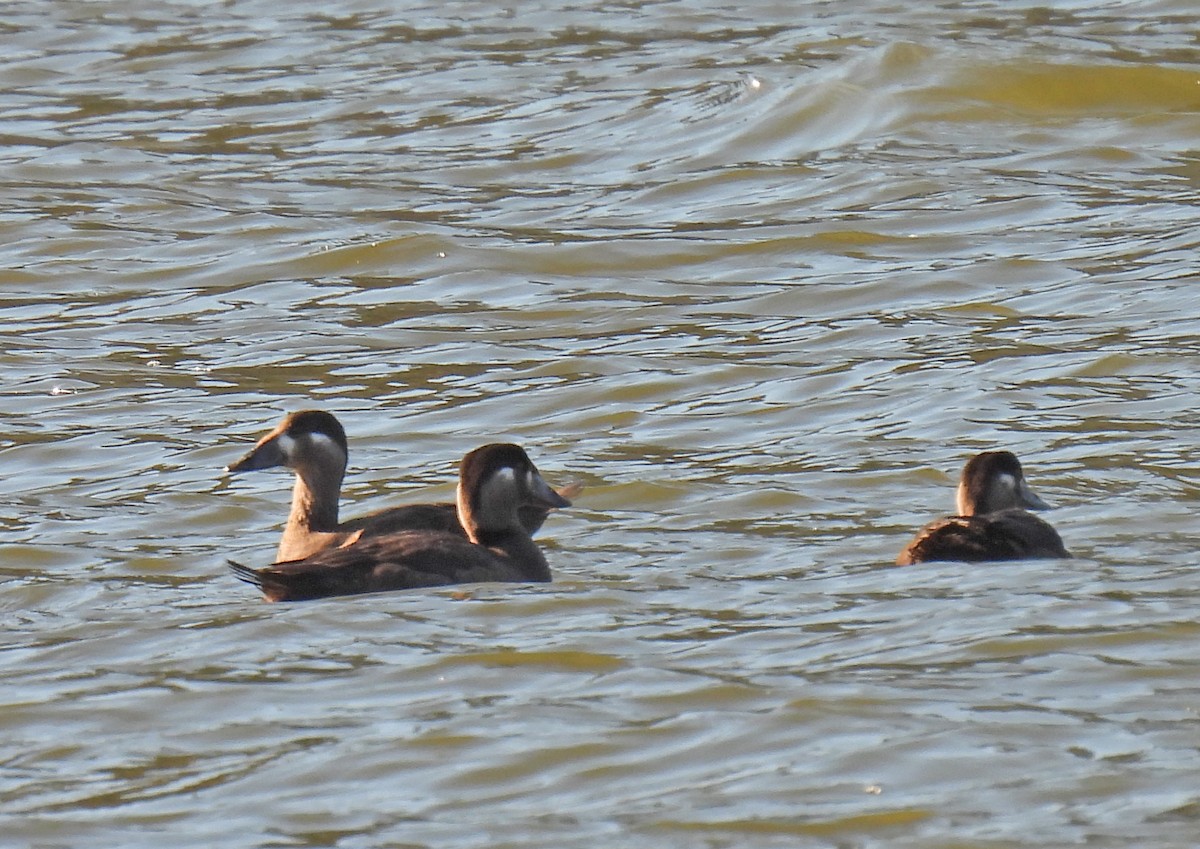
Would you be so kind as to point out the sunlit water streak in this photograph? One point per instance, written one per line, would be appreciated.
(762, 278)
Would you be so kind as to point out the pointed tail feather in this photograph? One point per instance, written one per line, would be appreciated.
(246, 573)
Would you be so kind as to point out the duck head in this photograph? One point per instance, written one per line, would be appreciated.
(494, 482)
(310, 442)
(994, 481)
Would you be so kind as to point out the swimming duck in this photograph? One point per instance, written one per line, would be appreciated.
(991, 524)
(312, 443)
(495, 481)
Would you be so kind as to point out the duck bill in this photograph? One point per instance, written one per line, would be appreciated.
(266, 455)
(541, 495)
(1030, 499)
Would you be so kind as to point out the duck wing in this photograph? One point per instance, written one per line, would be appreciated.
(1006, 535)
(441, 517)
(377, 564)
(1032, 537)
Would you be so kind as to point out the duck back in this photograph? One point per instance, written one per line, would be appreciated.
(1004, 535)
(401, 561)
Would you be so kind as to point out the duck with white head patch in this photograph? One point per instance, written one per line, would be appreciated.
(495, 483)
(992, 522)
(312, 443)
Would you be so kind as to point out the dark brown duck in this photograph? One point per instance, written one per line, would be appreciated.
(992, 523)
(312, 443)
(495, 482)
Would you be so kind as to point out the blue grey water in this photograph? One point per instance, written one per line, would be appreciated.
(761, 276)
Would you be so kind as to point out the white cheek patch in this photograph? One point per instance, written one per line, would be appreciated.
(286, 444)
(1007, 481)
(493, 489)
(324, 441)
(326, 446)
(319, 443)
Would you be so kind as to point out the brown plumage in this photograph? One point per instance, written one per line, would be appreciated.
(312, 443)
(991, 524)
(495, 482)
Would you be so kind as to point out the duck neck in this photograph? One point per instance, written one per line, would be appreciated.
(313, 516)
(518, 548)
(501, 531)
(967, 503)
(315, 499)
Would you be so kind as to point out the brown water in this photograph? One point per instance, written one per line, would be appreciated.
(762, 276)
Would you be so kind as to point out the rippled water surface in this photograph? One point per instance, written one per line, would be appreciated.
(761, 276)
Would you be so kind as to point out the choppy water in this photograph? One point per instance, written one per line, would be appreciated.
(762, 276)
